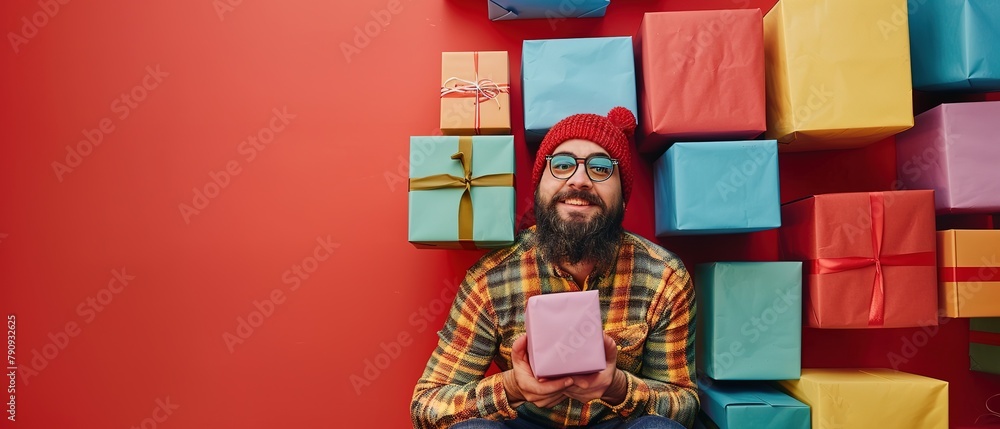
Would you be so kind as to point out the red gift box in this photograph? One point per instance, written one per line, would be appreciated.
(701, 76)
(869, 259)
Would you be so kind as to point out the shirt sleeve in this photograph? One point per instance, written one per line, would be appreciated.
(453, 387)
(665, 385)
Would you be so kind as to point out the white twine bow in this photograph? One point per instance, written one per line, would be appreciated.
(483, 89)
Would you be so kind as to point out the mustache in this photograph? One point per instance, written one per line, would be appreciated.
(579, 195)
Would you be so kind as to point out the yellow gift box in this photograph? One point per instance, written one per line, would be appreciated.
(837, 73)
(844, 398)
(969, 272)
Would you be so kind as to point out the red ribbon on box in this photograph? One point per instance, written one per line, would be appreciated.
(876, 312)
(480, 89)
(965, 274)
(988, 338)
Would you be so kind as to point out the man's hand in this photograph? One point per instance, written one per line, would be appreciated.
(608, 384)
(521, 384)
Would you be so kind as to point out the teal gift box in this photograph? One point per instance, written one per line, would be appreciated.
(749, 320)
(461, 192)
(717, 188)
(984, 344)
(731, 405)
(502, 10)
(562, 77)
(952, 44)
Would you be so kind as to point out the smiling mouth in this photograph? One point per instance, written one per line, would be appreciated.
(576, 202)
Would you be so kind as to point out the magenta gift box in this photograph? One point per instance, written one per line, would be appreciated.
(952, 149)
(565, 335)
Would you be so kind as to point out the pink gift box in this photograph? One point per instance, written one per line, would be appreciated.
(952, 149)
(565, 335)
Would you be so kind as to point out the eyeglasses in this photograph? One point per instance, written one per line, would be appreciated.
(599, 167)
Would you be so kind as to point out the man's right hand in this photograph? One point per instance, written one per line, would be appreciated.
(521, 384)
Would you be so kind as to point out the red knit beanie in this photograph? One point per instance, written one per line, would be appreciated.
(611, 132)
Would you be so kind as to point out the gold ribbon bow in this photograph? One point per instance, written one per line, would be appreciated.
(448, 181)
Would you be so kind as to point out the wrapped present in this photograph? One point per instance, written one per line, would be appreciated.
(475, 93)
(701, 76)
(461, 192)
(949, 45)
(502, 10)
(749, 320)
(869, 258)
(833, 83)
(969, 272)
(565, 334)
(984, 344)
(750, 406)
(562, 77)
(952, 149)
(871, 398)
(717, 188)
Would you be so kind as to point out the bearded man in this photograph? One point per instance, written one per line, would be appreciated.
(578, 243)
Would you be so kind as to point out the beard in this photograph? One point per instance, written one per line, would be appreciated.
(579, 239)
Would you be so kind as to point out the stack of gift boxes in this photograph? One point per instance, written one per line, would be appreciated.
(718, 95)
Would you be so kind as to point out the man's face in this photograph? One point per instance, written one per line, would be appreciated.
(579, 199)
(579, 219)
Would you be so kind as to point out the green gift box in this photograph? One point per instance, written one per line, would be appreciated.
(461, 192)
(749, 320)
(984, 344)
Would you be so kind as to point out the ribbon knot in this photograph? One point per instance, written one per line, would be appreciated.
(482, 90)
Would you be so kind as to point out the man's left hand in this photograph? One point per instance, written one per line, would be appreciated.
(588, 387)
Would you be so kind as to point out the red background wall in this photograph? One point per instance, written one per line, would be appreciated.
(330, 173)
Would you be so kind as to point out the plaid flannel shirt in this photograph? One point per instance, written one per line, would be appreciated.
(647, 306)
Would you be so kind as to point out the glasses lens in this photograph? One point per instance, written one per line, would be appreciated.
(600, 168)
(563, 166)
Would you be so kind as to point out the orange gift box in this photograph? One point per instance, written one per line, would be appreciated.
(475, 93)
(869, 258)
(969, 272)
(702, 76)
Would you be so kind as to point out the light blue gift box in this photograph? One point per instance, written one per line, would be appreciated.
(749, 320)
(502, 10)
(953, 44)
(717, 188)
(562, 77)
(437, 164)
(732, 405)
